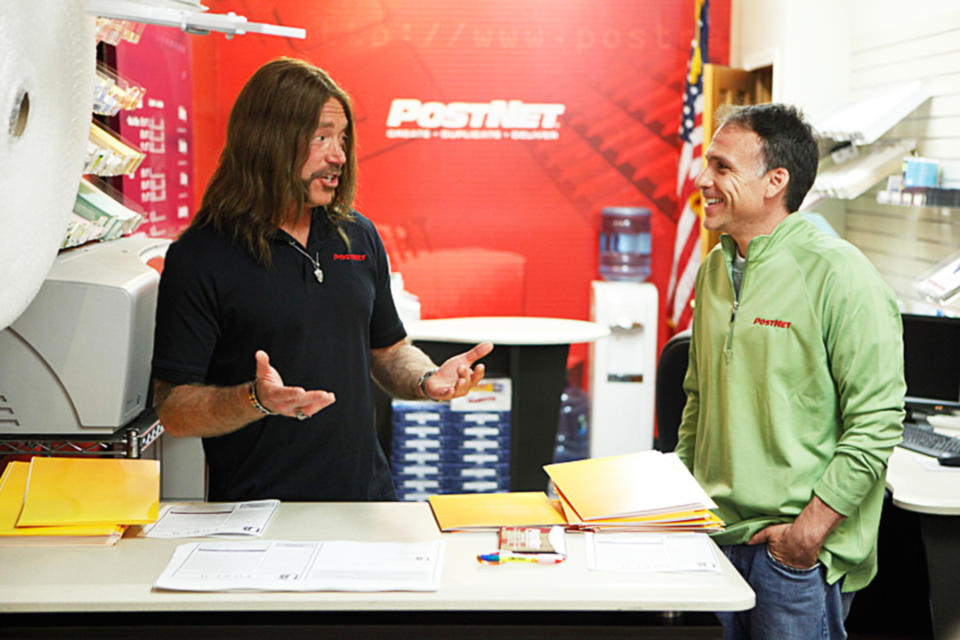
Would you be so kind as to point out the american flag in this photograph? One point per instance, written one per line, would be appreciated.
(686, 249)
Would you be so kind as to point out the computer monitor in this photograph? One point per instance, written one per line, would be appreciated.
(931, 357)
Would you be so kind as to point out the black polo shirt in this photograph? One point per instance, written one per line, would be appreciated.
(216, 306)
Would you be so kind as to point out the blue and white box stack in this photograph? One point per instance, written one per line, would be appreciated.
(920, 172)
(457, 447)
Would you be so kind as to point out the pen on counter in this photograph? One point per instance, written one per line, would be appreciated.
(501, 558)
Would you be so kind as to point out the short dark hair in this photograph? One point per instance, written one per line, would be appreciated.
(787, 141)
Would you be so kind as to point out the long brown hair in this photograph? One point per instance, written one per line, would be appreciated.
(257, 183)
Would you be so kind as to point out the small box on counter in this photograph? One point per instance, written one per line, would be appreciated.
(492, 394)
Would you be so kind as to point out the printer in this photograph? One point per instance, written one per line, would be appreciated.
(77, 360)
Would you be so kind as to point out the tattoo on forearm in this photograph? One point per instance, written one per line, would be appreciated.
(398, 369)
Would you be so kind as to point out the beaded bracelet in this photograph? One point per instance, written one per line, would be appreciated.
(255, 400)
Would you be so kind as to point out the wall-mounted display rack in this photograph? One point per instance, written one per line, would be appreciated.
(185, 16)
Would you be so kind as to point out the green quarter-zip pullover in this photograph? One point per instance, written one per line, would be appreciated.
(795, 387)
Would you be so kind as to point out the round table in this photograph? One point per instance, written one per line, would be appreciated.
(532, 352)
(508, 330)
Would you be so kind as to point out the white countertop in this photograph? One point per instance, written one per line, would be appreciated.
(920, 484)
(115, 579)
(507, 330)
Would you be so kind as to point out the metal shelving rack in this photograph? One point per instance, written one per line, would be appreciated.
(129, 441)
(188, 16)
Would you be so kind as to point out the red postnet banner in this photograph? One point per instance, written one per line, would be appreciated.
(491, 134)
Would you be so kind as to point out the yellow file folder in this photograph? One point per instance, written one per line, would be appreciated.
(12, 486)
(632, 484)
(493, 510)
(63, 491)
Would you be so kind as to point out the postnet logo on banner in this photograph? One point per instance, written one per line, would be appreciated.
(494, 120)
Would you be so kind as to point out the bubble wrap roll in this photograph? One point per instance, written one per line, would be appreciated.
(47, 64)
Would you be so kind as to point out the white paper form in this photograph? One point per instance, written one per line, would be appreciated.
(213, 519)
(279, 565)
(650, 552)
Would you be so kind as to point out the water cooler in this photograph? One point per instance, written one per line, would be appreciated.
(623, 367)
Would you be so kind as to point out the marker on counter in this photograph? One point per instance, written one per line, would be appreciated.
(529, 558)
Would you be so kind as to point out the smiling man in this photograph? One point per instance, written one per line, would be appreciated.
(795, 384)
(278, 273)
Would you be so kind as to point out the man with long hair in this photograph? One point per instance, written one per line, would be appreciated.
(278, 273)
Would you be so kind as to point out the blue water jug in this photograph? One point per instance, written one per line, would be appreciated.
(573, 438)
(625, 243)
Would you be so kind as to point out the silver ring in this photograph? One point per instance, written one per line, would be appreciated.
(301, 415)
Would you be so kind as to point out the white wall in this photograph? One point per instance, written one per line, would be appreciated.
(807, 42)
(905, 241)
(884, 15)
(830, 50)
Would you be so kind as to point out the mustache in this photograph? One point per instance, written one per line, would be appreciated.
(325, 172)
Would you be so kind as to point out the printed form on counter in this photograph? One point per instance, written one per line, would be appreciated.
(285, 565)
(213, 519)
(647, 552)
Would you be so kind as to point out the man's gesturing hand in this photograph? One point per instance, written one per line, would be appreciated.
(295, 402)
(455, 377)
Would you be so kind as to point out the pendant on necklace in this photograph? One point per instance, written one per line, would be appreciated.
(317, 271)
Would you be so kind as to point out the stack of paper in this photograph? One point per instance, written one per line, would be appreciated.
(76, 501)
(99, 215)
(12, 486)
(108, 154)
(643, 491)
(694, 520)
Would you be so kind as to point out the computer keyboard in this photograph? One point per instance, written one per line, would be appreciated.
(928, 442)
